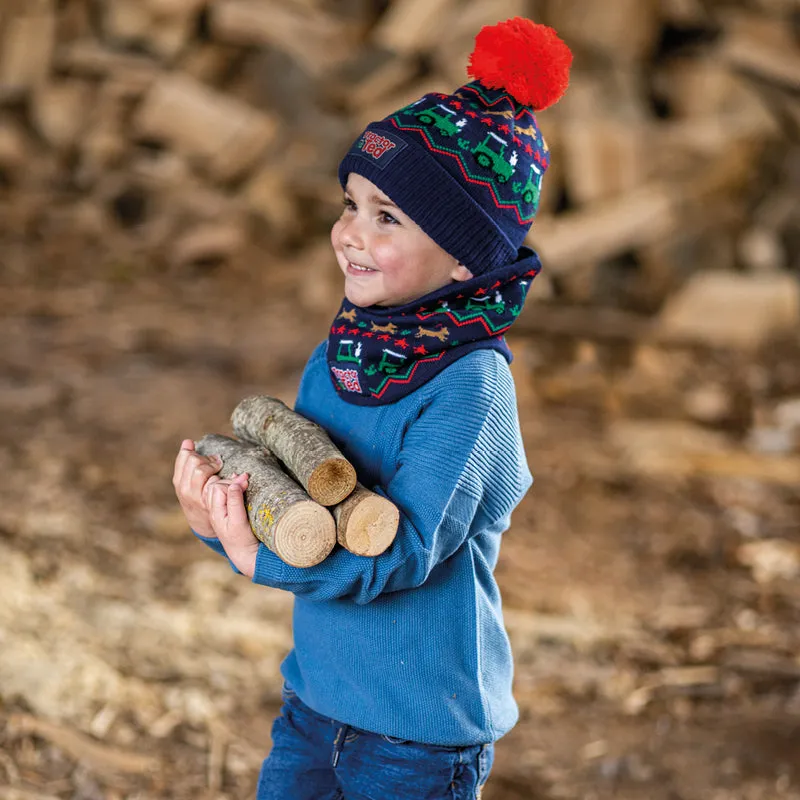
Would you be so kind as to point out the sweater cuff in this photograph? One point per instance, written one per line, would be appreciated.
(216, 545)
(269, 569)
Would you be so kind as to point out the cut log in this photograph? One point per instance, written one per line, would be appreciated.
(461, 23)
(700, 87)
(226, 135)
(209, 242)
(86, 57)
(26, 49)
(674, 450)
(162, 27)
(15, 151)
(207, 62)
(126, 22)
(770, 559)
(684, 13)
(605, 229)
(730, 310)
(74, 20)
(313, 38)
(366, 523)
(267, 193)
(624, 30)
(385, 79)
(762, 47)
(604, 157)
(411, 26)
(302, 445)
(649, 214)
(298, 530)
(606, 143)
(59, 110)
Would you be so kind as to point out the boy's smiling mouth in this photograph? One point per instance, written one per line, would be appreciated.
(357, 268)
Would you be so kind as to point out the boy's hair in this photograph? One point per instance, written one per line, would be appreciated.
(468, 167)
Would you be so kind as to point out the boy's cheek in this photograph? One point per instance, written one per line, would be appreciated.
(336, 231)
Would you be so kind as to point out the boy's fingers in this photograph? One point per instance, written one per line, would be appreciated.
(200, 472)
(209, 489)
(219, 502)
(237, 513)
(187, 447)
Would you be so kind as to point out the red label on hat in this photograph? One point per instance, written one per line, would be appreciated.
(376, 145)
(379, 148)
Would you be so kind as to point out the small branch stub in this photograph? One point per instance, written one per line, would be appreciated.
(303, 446)
(282, 516)
(366, 523)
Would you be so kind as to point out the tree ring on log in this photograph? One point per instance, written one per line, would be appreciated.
(332, 481)
(366, 523)
(305, 535)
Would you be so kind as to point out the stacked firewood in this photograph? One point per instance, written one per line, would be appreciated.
(186, 131)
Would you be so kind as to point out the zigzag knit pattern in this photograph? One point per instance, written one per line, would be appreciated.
(493, 142)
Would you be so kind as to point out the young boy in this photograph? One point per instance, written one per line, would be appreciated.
(400, 678)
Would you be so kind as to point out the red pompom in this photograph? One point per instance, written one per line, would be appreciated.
(528, 60)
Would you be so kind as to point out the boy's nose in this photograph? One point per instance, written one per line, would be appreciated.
(351, 234)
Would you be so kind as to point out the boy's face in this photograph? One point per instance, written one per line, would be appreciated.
(386, 258)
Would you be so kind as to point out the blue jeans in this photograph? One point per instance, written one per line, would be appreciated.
(317, 758)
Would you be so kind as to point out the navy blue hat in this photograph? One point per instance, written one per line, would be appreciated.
(468, 167)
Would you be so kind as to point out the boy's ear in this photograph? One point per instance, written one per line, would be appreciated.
(461, 273)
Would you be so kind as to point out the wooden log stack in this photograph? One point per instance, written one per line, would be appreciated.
(183, 132)
(298, 530)
(295, 472)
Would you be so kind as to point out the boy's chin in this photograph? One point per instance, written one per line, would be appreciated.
(362, 299)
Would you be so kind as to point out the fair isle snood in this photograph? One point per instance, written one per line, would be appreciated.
(468, 169)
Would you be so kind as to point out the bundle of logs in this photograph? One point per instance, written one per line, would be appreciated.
(296, 474)
(184, 132)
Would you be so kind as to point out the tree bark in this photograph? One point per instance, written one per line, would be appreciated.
(366, 523)
(303, 446)
(298, 530)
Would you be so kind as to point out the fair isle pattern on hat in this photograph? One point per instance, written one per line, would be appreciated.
(486, 133)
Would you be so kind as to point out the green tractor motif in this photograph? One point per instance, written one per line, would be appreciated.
(444, 124)
(391, 362)
(488, 157)
(530, 192)
(347, 353)
(483, 304)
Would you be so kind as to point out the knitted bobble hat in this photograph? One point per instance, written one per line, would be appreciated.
(467, 167)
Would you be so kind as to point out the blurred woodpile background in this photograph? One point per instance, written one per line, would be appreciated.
(181, 131)
(167, 186)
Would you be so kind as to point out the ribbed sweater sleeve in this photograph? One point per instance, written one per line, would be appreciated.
(453, 464)
(216, 545)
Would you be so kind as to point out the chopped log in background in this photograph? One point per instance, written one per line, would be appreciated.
(298, 530)
(303, 446)
(189, 133)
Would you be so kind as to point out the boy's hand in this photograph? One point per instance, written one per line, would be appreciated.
(193, 478)
(231, 525)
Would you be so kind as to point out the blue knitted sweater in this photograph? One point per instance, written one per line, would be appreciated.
(411, 643)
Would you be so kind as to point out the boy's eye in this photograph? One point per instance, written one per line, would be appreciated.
(348, 203)
(388, 218)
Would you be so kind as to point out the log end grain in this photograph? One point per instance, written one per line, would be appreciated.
(305, 534)
(332, 481)
(370, 525)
